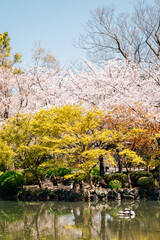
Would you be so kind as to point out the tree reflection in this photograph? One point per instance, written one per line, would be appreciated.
(75, 221)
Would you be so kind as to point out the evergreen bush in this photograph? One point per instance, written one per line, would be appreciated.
(11, 182)
(136, 175)
(115, 184)
(116, 176)
(96, 171)
(31, 176)
(96, 179)
(146, 183)
(30, 179)
(58, 172)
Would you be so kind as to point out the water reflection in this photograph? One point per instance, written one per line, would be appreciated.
(59, 220)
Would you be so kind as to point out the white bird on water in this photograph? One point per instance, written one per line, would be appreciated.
(127, 213)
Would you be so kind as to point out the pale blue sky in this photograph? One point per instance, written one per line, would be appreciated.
(55, 23)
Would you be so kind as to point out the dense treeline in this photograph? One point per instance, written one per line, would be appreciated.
(79, 139)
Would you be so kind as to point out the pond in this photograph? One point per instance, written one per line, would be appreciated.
(83, 221)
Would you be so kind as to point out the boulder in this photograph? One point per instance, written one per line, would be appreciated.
(113, 195)
(101, 193)
(154, 194)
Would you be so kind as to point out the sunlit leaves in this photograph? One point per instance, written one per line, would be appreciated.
(131, 157)
(6, 156)
(75, 137)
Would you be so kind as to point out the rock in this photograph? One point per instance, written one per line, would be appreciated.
(134, 192)
(113, 195)
(94, 197)
(92, 191)
(143, 194)
(137, 197)
(101, 192)
(65, 193)
(127, 197)
(154, 194)
(45, 195)
(102, 184)
(54, 181)
(51, 195)
(118, 197)
(126, 191)
(130, 194)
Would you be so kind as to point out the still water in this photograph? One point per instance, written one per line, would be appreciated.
(73, 221)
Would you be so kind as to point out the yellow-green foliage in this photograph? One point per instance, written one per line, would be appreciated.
(82, 138)
(6, 156)
(70, 136)
(17, 131)
(131, 157)
(5, 53)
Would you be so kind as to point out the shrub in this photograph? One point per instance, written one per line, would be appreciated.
(30, 179)
(146, 183)
(138, 174)
(115, 184)
(96, 179)
(58, 172)
(116, 176)
(11, 182)
(156, 183)
(63, 171)
(155, 173)
(50, 173)
(3, 167)
(96, 171)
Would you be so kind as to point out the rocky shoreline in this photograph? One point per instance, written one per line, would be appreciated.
(96, 194)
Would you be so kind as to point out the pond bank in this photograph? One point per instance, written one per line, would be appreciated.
(96, 194)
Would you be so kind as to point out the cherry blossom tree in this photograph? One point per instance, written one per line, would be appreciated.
(27, 93)
(116, 82)
(113, 83)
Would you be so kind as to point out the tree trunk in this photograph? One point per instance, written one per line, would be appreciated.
(129, 178)
(90, 186)
(90, 179)
(6, 113)
(148, 168)
(119, 162)
(101, 162)
(120, 166)
(39, 182)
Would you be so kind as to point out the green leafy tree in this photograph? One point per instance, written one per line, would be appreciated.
(5, 53)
